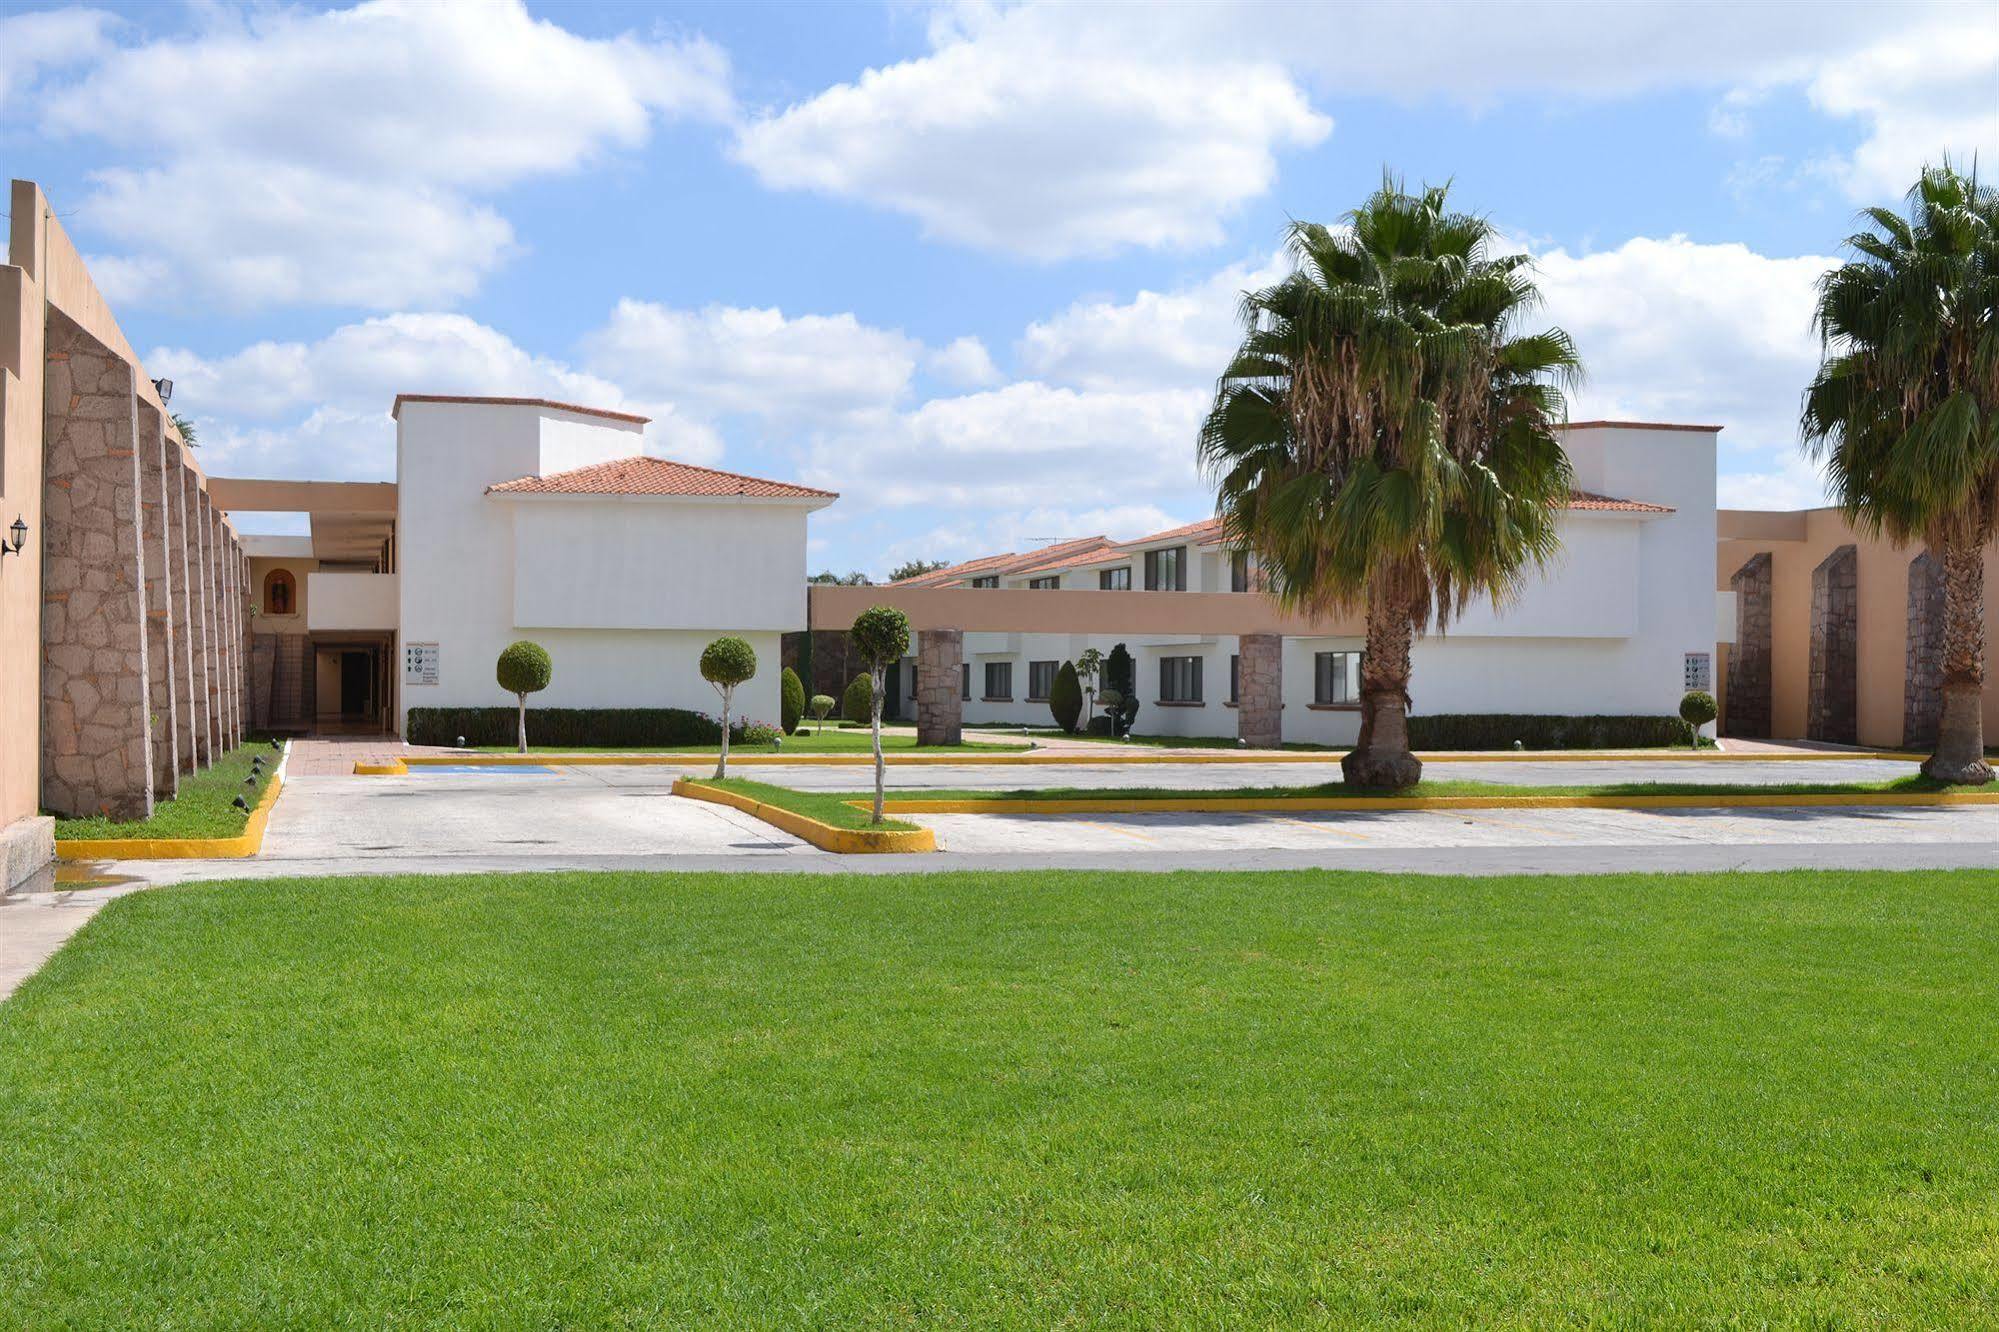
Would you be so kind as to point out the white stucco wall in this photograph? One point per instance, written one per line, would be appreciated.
(339, 599)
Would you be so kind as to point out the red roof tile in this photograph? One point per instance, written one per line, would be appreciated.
(654, 476)
(1582, 499)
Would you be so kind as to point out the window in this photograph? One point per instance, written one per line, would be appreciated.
(1048, 584)
(1235, 677)
(1114, 580)
(1336, 677)
(990, 580)
(1166, 570)
(1179, 679)
(280, 593)
(1239, 571)
(965, 682)
(999, 681)
(1040, 680)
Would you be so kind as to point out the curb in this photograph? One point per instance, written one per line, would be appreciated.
(846, 841)
(976, 758)
(394, 768)
(242, 846)
(1286, 804)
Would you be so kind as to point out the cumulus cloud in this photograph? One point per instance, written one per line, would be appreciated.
(341, 157)
(1040, 133)
(964, 363)
(34, 44)
(1920, 93)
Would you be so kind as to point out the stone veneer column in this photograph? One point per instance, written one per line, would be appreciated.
(246, 643)
(156, 518)
(226, 618)
(1748, 695)
(197, 610)
(1831, 711)
(940, 709)
(1922, 670)
(186, 558)
(217, 665)
(236, 618)
(96, 757)
(1259, 717)
(211, 726)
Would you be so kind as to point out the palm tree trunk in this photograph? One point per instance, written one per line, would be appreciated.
(1960, 751)
(1381, 757)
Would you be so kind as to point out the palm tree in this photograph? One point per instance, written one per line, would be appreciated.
(1904, 412)
(1385, 438)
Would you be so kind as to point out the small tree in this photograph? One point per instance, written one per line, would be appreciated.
(858, 699)
(790, 700)
(1065, 698)
(524, 669)
(822, 708)
(880, 635)
(726, 663)
(1089, 669)
(1697, 709)
(1118, 673)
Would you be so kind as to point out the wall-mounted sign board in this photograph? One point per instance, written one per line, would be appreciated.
(419, 663)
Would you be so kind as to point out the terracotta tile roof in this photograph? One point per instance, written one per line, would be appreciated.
(955, 572)
(1205, 530)
(1057, 556)
(1583, 499)
(401, 398)
(654, 476)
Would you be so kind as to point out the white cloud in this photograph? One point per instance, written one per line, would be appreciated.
(1921, 92)
(31, 44)
(1037, 132)
(340, 156)
(1182, 337)
(321, 409)
(723, 359)
(965, 363)
(1790, 481)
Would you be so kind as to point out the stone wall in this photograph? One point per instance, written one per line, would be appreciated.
(1748, 693)
(186, 557)
(1831, 710)
(96, 752)
(157, 531)
(1922, 674)
(1259, 718)
(197, 609)
(940, 656)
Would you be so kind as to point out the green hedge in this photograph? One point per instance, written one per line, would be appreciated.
(637, 728)
(1498, 730)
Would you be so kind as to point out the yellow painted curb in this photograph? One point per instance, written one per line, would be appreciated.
(978, 758)
(394, 768)
(246, 843)
(847, 841)
(1289, 804)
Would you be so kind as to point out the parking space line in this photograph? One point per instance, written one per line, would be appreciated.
(1318, 826)
(1132, 833)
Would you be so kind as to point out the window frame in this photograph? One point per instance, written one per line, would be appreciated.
(964, 682)
(1045, 583)
(1005, 677)
(1114, 580)
(1177, 672)
(1034, 668)
(1238, 571)
(986, 580)
(1157, 562)
(1331, 670)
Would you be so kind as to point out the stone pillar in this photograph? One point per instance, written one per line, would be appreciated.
(1259, 714)
(940, 709)
(197, 610)
(226, 617)
(211, 727)
(1832, 707)
(186, 558)
(246, 641)
(157, 528)
(217, 687)
(1748, 694)
(1922, 667)
(96, 757)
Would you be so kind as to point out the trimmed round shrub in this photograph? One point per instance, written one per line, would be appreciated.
(525, 668)
(1065, 698)
(859, 700)
(880, 635)
(790, 701)
(822, 707)
(728, 661)
(1697, 709)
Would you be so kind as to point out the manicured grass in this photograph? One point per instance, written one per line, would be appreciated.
(832, 742)
(1170, 741)
(1339, 790)
(202, 809)
(1034, 1100)
(831, 807)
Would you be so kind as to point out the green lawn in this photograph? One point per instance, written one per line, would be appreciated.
(1035, 1100)
(833, 807)
(1163, 741)
(202, 809)
(832, 742)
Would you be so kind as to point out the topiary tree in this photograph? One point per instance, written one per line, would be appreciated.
(1065, 698)
(524, 669)
(858, 700)
(1089, 670)
(1697, 709)
(790, 701)
(726, 663)
(880, 635)
(1118, 679)
(822, 708)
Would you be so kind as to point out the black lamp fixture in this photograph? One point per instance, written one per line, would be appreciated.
(19, 533)
(165, 388)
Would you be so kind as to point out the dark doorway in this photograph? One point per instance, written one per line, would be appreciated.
(356, 684)
(892, 693)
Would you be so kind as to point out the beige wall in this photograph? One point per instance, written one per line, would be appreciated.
(264, 622)
(1798, 542)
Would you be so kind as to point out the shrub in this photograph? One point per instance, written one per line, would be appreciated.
(822, 708)
(790, 701)
(1120, 679)
(524, 668)
(1100, 725)
(726, 663)
(857, 704)
(1498, 730)
(1065, 698)
(757, 733)
(881, 635)
(608, 728)
(1697, 709)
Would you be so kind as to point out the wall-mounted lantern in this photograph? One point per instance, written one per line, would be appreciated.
(19, 533)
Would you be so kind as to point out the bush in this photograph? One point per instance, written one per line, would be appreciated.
(1698, 708)
(728, 662)
(880, 635)
(790, 701)
(756, 733)
(1119, 679)
(1065, 698)
(1100, 725)
(1498, 730)
(616, 728)
(858, 700)
(822, 707)
(525, 668)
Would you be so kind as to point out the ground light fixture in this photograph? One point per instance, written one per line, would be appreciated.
(17, 537)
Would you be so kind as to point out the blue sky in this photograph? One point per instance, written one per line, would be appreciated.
(973, 266)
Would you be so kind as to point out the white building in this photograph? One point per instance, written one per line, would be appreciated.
(1621, 623)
